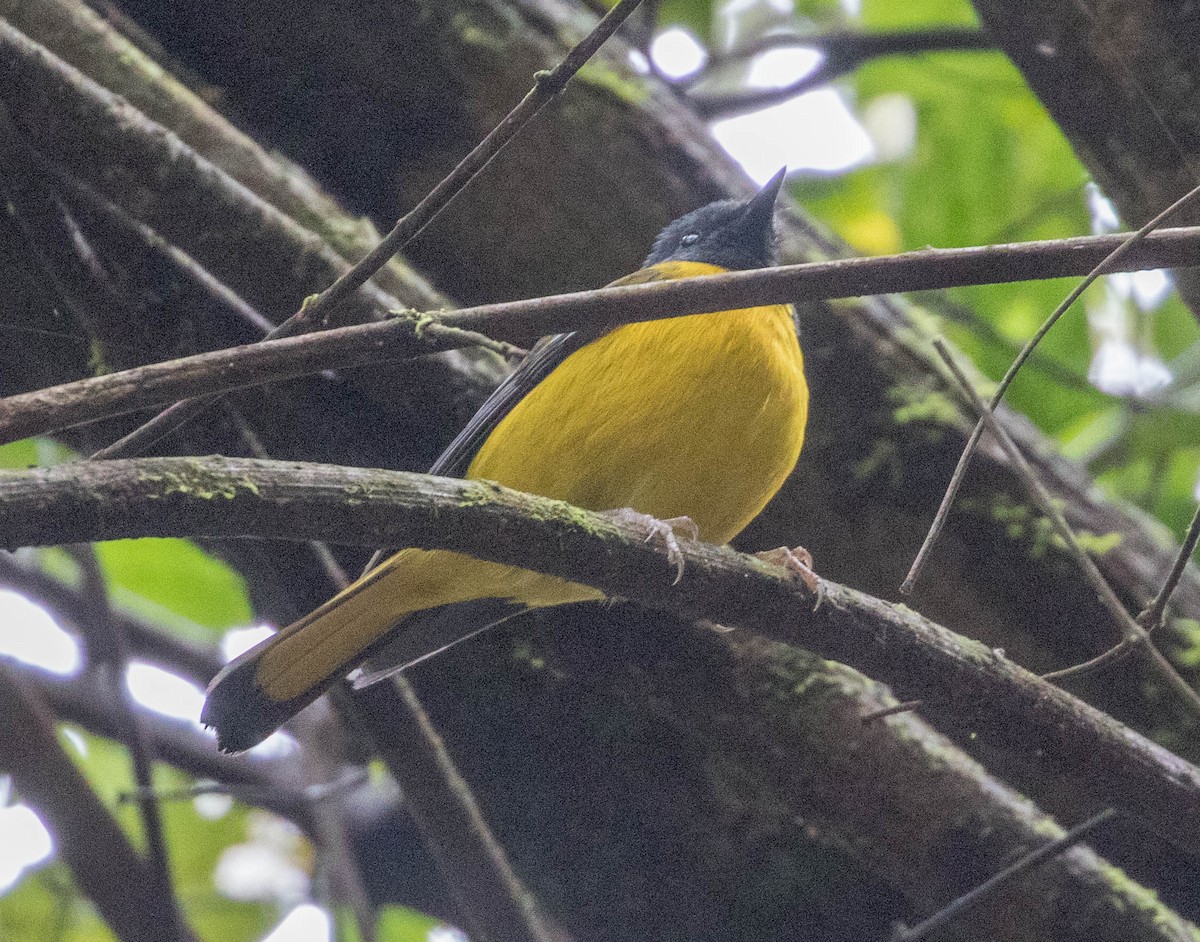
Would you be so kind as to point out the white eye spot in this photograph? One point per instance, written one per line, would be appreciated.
(690, 239)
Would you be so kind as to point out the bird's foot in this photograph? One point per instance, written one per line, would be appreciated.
(797, 560)
(662, 532)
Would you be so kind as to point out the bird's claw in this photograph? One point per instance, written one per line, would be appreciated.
(796, 560)
(662, 532)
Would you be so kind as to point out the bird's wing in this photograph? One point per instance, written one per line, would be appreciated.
(427, 633)
(545, 356)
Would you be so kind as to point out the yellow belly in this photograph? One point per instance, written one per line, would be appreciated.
(697, 416)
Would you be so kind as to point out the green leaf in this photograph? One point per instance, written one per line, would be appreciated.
(157, 575)
(398, 924)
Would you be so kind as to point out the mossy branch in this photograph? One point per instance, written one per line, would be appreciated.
(961, 680)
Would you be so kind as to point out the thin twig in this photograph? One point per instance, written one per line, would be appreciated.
(1150, 618)
(1153, 614)
(992, 886)
(350, 779)
(415, 334)
(877, 715)
(108, 652)
(474, 863)
(1130, 629)
(317, 309)
(1106, 266)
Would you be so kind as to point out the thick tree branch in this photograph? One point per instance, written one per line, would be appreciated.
(88, 42)
(101, 397)
(217, 497)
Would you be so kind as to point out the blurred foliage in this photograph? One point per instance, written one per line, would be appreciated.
(989, 165)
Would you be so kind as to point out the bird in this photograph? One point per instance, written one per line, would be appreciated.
(688, 424)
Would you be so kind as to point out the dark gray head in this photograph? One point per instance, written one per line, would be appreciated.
(735, 234)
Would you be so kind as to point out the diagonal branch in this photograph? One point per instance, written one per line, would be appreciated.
(411, 335)
(218, 497)
(113, 875)
(108, 655)
(317, 310)
(1128, 625)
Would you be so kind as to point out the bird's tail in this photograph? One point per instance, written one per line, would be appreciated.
(258, 691)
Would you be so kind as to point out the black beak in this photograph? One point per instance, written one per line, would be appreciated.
(760, 211)
(754, 231)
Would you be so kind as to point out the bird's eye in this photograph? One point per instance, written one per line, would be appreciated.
(689, 239)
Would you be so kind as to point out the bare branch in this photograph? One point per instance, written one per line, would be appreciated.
(521, 321)
(1128, 625)
(1111, 262)
(978, 895)
(239, 497)
(842, 52)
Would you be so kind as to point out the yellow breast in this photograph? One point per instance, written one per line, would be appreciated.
(699, 416)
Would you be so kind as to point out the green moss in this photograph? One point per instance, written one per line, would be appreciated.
(1128, 896)
(97, 363)
(470, 30)
(419, 321)
(354, 495)
(579, 517)
(1098, 545)
(923, 404)
(1185, 643)
(1021, 523)
(621, 85)
(307, 303)
(478, 494)
(194, 480)
(883, 461)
